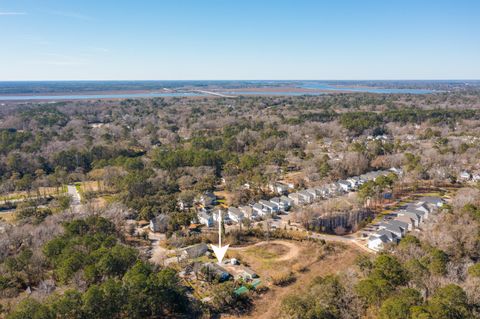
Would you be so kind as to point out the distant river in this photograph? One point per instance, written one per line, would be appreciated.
(325, 87)
(329, 87)
(92, 96)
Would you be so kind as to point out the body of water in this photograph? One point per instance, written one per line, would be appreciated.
(92, 96)
(329, 87)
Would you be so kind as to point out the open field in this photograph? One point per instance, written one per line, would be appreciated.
(305, 260)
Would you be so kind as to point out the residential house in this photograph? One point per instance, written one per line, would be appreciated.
(465, 176)
(159, 224)
(407, 220)
(248, 212)
(194, 251)
(306, 197)
(420, 212)
(279, 188)
(421, 206)
(258, 209)
(378, 240)
(217, 212)
(344, 185)
(207, 199)
(283, 203)
(270, 206)
(213, 271)
(313, 192)
(397, 171)
(476, 177)
(432, 202)
(235, 214)
(296, 198)
(414, 216)
(396, 230)
(205, 219)
(354, 182)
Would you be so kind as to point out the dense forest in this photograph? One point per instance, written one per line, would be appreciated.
(141, 158)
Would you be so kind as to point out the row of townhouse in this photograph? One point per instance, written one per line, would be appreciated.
(467, 176)
(405, 220)
(283, 202)
(310, 195)
(252, 212)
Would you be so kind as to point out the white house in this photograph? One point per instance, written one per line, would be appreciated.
(270, 206)
(225, 216)
(258, 209)
(306, 197)
(248, 212)
(399, 229)
(279, 188)
(407, 220)
(159, 223)
(283, 203)
(205, 219)
(296, 198)
(235, 214)
(465, 176)
(416, 218)
(380, 238)
(312, 192)
(344, 185)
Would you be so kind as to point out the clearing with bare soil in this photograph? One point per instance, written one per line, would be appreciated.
(279, 256)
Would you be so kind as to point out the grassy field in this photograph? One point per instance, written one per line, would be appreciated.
(302, 260)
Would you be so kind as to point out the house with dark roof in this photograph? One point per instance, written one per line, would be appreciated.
(159, 224)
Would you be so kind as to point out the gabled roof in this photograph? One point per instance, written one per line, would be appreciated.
(404, 219)
(204, 215)
(234, 210)
(399, 223)
(432, 200)
(267, 203)
(388, 234)
(257, 206)
(412, 214)
(383, 238)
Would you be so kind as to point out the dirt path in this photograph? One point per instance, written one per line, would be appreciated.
(293, 252)
(268, 306)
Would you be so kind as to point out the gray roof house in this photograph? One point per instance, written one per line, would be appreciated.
(344, 185)
(224, 214)
(207, 199)
(258, 208)
(235, 214)
(306, 197)
(271, 206)
(416, 218)
(406, 220)
(394, 228)
(433, 201)
(205, 219)
(312, 192)
(296, 198)
(248, 212)
(160, 223)
(283, 202)
(279, 188)
(195, 251)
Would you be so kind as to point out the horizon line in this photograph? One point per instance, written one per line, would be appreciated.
(212, 80)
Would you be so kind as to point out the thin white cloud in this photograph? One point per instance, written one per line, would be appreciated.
(12, 13)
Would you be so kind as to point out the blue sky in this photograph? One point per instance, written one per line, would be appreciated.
(239, 39)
